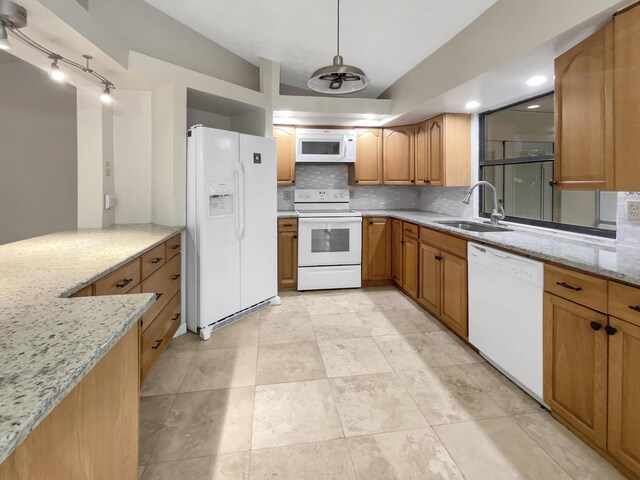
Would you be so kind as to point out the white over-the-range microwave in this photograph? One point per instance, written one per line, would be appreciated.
(325, 146)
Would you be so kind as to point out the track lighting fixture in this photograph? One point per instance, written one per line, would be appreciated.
(57, 74)
(4, 40)
(105, 96)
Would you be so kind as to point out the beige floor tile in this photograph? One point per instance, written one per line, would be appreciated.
(573, 455)
(352, 356)
(242, 333)
(387, 298)
(327, 304)
(393, 322)
(497, 449)
(291, 306)
(230, 466)
(286, 330)
(327, 460)
(184, 343)
(412, 351)
(407, 455)
(322, 293)
(377, 403)
(507, 395)
(153, 415)
(338, 326)
(448, 395)
(167, 375)
(290, 413)
(455, 348)
(207, 423)
(289, 362)
(221, 368)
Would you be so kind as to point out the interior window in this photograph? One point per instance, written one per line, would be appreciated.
(516, 156)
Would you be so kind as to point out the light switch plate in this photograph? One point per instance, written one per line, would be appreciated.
(352, 193)
(633, 210)
(109, 201)
(286, 195)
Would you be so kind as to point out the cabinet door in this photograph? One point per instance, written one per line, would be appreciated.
(575, 366)
(435, 150)
(368, 167)
(627, 99)
(584, 114)
(376, 249)
(624, 393)
(398, 156)
(421, 145)
(410, 269)
(453, 303)
(396, 251)
(429, 290)
(287, 259)
(286, 151)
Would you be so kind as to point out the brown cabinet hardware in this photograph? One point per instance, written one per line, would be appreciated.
(610, 330)
(157, 345)
(595, 326)
(157, 259)
(175, 277)
(570, 287)
(124, 282)
(175, 317)
(158, 295)
(635, 307)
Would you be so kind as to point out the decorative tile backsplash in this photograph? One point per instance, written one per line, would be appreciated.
(445, 200)
(628, 230)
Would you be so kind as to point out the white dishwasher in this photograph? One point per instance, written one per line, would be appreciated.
(505, 313)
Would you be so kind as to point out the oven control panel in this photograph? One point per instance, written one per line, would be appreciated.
(321, 196)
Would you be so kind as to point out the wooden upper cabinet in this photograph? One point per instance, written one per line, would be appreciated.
(584, 114)
(443, 151)
(286, 151)
(368, 167)
(624, 394)
(575, 366)
(627, 99)
(376, 249)
(399, 155)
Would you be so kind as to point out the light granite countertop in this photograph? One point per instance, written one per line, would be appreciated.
(49, 342)
(599, 256)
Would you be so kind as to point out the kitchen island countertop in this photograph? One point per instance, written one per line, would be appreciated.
(50, 342)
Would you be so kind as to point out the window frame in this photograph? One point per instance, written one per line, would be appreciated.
(520, 160)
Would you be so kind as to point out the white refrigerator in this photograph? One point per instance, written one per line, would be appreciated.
(231, 227)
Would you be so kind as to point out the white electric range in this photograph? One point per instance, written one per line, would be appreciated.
(329, 240)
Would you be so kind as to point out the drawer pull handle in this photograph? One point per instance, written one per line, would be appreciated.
(596, 326)
(610, 330)
(175, 277)
(156, 260)
(158, 295)
(124, 283)
(570, 287)
(287, 224)
(635, 307)
(175, 247)
(175, 317)
(158, 342)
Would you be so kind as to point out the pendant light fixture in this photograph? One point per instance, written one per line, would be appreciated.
(338, 78)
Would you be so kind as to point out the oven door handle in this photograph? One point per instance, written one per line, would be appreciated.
(330, 220)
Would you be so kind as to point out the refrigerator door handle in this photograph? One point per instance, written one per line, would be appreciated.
(241, 196)
(236, 175)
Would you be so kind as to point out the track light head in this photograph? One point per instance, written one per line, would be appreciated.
(57, 74)
(106, 95)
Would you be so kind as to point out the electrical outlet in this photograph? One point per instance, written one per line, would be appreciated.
(352, 193)
(286, 195)
(633, 210)
(107, 169)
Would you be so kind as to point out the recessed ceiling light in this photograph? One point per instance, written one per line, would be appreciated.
(471, 105)
(531, 107)
(536, 81)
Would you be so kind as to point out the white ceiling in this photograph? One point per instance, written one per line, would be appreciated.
(386, 39)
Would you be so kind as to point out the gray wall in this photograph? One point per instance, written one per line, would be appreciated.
(38, 152)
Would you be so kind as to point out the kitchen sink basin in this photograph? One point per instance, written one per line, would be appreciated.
(474, 226)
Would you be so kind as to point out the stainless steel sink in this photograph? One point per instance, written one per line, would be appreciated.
(474, 226)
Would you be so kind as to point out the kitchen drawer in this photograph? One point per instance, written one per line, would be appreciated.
(119, 281)
(624, 302)
(164, 283)
(577, 287)
(157, 336)
(153, 260)
(287, 225)
(174, 304)
(83, 292)
(410, 230)
(173, 246)
(454, 245)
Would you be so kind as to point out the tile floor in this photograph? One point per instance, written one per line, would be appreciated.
(353, 385)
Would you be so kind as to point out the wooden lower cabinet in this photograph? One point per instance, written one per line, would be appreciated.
(397, 263)
(453, 311)
(93, 433)
(575, 366)
(287, 253)
(430, 290)
(376, 249)
(410, 267)
(624, 394)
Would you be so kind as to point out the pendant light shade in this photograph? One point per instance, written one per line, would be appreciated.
(338, 78)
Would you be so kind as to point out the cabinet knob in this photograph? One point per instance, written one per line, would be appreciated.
(596, 326)
(427, 181)
(610, 330)
(295, 236)
(413, 181)
(552, 183)
(401, 242)
(438, 257)
(635, 307)
(357, 181)
(371, 223)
